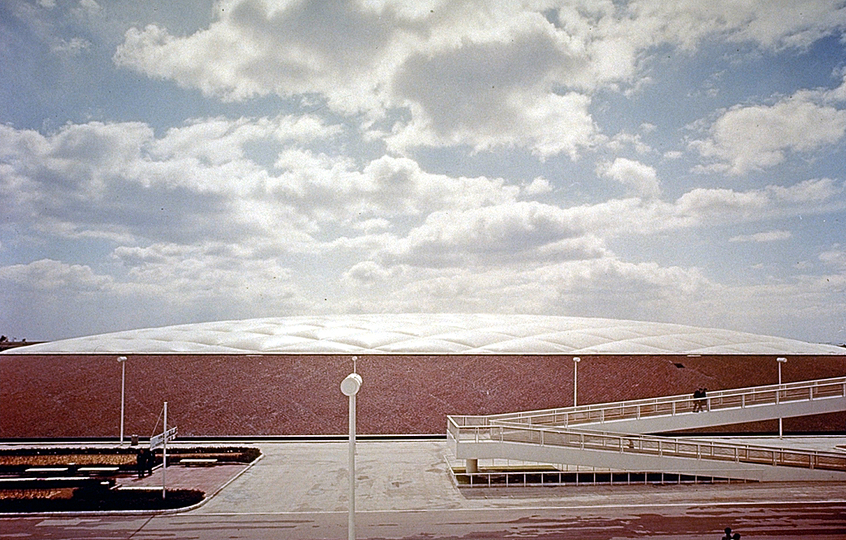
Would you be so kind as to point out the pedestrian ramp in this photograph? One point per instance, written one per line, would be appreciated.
(683, 412)
(613, 436)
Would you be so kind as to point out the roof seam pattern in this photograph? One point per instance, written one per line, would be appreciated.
(431, 334)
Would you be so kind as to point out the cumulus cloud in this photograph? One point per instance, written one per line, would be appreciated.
(836, 257)
(496, 91)
(71, 47)
(723, 205)
(219, 140)
(450, 161)
(538, 186)
(601, 286)
(504, 74)
(640, 179)
(257, 48)
(808, 191)
(534, 233)
(183, 185)
(329, 189)
(52, 275)
(200, 182)
(767, 236)
(211, 270)
(510, 232)
(756, 137)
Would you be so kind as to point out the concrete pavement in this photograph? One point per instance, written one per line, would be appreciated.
(413, 476)
(299, 490)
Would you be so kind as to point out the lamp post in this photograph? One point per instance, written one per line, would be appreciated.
(576, 361)
(122, 361)
(780, 360)
(349, 387)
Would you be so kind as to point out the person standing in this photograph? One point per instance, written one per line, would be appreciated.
(697, 394)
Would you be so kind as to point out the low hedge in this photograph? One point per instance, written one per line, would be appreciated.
(70, 493)
(16, 460)
(88, 499)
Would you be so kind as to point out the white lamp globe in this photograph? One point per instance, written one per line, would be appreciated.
(351, 384)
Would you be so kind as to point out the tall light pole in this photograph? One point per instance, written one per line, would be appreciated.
(122, 361)
(780, 360)
(576, 361)
(349, 387)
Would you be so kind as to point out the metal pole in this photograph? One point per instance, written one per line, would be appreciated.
(122, 361)
(576, 361)
(349, 387)
(351, 519)
(164, 455)
(780, 361)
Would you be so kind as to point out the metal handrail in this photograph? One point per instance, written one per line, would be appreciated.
(503, 432)
(671, 405)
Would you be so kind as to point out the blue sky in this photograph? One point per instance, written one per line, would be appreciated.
(170, 162)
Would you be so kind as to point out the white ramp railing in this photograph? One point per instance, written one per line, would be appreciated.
(619, 452)
(644, 445)
(593, 435)
(738, 399)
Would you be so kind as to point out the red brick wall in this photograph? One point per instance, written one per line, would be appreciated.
(79, 395)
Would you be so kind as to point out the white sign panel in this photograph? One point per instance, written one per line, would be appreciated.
(157, 441)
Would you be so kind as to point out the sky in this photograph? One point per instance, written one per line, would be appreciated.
(173, 162)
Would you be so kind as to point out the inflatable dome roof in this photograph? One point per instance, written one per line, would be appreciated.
(432, 334)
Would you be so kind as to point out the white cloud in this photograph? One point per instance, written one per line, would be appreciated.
(771, 25)
(458, 156)
(533, 233)
(191, 273)
(538, 186)
(836, 257)
(199, 183)
(182, 187)
(513, 232)
(547, 124)
(219, 140)
(725, 205)
(52, 275)
(624, 140)
(367, 272)
(496, 89)
(502, 74)
(257, 48)
(602, 286)
(89, 5)
(639, 179)
(807, 191)
(71, 47)
(767, 236)
(786, 23)
(756, 137)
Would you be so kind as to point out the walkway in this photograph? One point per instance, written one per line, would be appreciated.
(608, 436)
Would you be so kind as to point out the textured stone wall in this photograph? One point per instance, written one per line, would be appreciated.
(211, 395)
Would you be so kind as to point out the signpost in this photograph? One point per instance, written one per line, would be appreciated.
(157, 441)
(160, 441)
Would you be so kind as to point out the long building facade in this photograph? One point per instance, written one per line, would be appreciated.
(281, 376)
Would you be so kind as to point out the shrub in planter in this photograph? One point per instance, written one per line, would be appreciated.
(92, 498)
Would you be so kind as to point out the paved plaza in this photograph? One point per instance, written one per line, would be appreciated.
(299, 490)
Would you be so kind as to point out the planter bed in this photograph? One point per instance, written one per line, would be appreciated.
(83, 479)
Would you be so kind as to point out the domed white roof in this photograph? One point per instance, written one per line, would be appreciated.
(430, 334)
